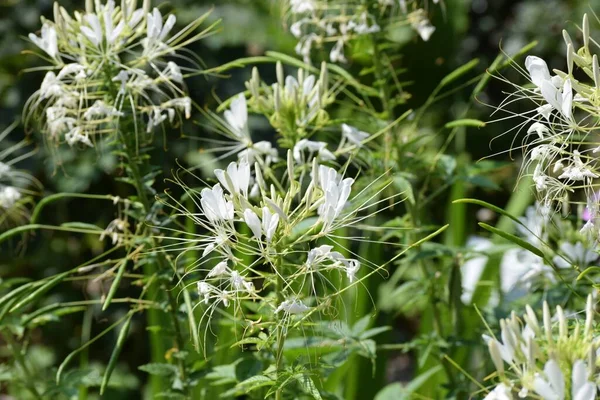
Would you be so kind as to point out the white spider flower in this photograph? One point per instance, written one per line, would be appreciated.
(155, 43)
(558, 347)
(538, 128)
(236, 178)
(214, 205)
(561, 99)
(336, 193)
(553, 386)
(9, 196)
(16, 186)
(115, 230)
(101, 109)
(262, 150)
(76, 135)
(218, 270)
(270, 222)
(293, 306)
(314, 148)
(353, 135)
(204, 290)
(268, 226)
(253, 223)
(500, 392)
(422, 25)
(237, 118)
(352, 267)
(147, 90)
(47, 40)
(578, 170)
(302, 6)
(577, 254)
(337, 53)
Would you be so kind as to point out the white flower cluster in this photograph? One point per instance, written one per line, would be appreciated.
(277, 227)
(521, 270)
(292, 104)
(560, 140)
(316, 23)
(555, 360)
(108, 62)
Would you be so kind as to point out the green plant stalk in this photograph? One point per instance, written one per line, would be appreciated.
(158, 349)
(86, 329)
(280, 331)
(154, 317)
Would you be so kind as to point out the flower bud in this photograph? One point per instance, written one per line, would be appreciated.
(596, 70)
(531, 319)
(279, 73)
(547, 322)
(562, 323)
(324, 78)
(570, 53)
(567, 38)
(589, 314)
(496, 356)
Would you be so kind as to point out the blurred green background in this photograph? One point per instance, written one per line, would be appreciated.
(467, 30)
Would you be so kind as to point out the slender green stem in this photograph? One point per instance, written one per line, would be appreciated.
(154, 317)
(29, 377)
(84, 356)
(280, 334)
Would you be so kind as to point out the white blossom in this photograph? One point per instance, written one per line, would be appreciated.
(353, 135)
(294, 306)
(47, 41)
(214, 205)
(236, 179)
(336, 192)
(8, 196)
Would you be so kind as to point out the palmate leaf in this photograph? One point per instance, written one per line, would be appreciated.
(248, 385)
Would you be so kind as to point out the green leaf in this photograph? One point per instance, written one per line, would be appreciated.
(458, 72)
(308, 385)
(114, 357)
(160, 369)
(402, 184)
(465, 122)
(516, 240)
(247, 386)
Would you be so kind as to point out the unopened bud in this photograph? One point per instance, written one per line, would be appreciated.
(290, 165)
(547, 322)
(596, 70)
(562, 322)
(570, 53)
(567, 38)
(280, 74)
(532, 319)
(589, 315)
(324, 78)
(496, 356)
